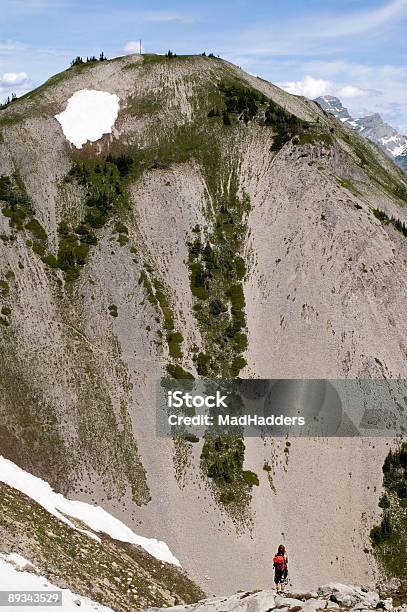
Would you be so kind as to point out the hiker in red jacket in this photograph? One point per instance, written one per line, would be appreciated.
(280, 564)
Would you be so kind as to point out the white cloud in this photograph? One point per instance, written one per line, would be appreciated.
(383, 87)
(133, 46)
(308, 87)
(373, 89)
(10, 79)
(14, 83)
(350, 91)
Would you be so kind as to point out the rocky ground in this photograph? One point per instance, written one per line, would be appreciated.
(331, 597)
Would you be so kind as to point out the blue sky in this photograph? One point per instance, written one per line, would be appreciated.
(356, 49)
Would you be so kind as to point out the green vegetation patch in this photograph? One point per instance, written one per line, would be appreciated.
(217, 270)
(5, 316)
(4, 287)
(350, 186)
(106, 442)
(17, 205)
(389, 538)
(104, 183)
(312, 135)
(73, 251)
(31, 422)
(20, 212)
(157, 295)
(395, 472)
(242, 103)
(9, 119)
(251, 478)
(376, 171)
(285, 125)
(113, 310)
(226, 464)
(153, 58)
(36, 230)
(177, 371)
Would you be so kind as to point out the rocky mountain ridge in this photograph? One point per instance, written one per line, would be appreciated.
(372, 127)
(332, 597)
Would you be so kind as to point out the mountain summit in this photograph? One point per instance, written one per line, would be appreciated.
(371, 126)
(208, 225)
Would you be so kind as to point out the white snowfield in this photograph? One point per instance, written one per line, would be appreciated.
(89, 115)
(94, 517)
(396, 144)
(15, 577)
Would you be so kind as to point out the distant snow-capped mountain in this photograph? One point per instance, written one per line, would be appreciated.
(372, 127)
(401, 160)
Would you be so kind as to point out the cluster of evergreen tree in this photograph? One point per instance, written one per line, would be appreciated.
(79, 60)
(245, 103)
(9, 100)
(18, 206)
(241, 101)
(385, 219)
(401, 227)
(284, 123)
(124, 163)
(394, 480)
(395, 471)
(170, 54)
(381, 533)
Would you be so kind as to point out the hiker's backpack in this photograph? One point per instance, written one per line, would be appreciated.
(279, 563)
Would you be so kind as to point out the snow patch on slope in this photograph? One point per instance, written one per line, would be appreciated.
(94, 517)
(13, 578)
(399, 148)
(18, 561)
(89, 115)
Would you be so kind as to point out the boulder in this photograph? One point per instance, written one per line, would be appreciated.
(346, 600)
(332, 605)
(392, 585)
(330, 598)
(291, 602)
(385, 604)
(349, 596)
(371, 598)
(256, 601)
(314, 604)
(337, 589)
